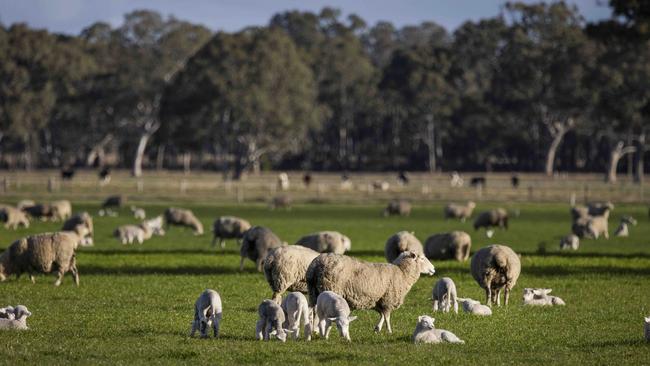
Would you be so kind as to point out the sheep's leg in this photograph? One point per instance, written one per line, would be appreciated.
(321, 327)
(31, 278)
(388, 327)
(435, 305)
(241, 264)
(193, 329)
(74, 271)
(499, 297)
(59, 278)
(380, 324)
(277, 297)
(328, 327)
(267, 331)
(455, 306)
(222, 244)
(506, 295)
(259, 333)
(215, 326)
(214, 241)
(258, 263)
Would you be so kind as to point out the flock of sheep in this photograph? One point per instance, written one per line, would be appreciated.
(324, 284)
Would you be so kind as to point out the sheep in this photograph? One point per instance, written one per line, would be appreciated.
(19, 322)
(453, 245)
(623, 230)
(207, 312)
(426, 332)
(398, 207)
(570, 241)
(647, 328)
(256, 244)
(285, 268)
(7, 313)
(400, 242)
(283, 181)
(364, 285)
(138, 213)
(25, 203)
(326, 242)
(496, 217)
(127, 234)
(110, 203)
(297, 310)
(599, 208)
(592, 226)
(496, 268)
(332, 308)
(155, 226)
(474, 307)
(444, 294)
(81, 222)
(283, 201)
(228, 227)
(13, 217)
(539, 296)
(42, 253)
(61, 210)
(271, 318)
(39, 211)
(578, 212)
(183, 217)
(458, 211)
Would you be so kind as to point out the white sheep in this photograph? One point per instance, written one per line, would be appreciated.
(401, 242)
(458, 211)
(426, 332)
(155, 225)
(297, 311)
(623, 227)
(647, 328)
(7, 313)
(474, 307)
(127, 234)
(271, 319)
(332, 308)
(444, 294)
(326, 242)
(138, 213)
(19, 320)
(256, 244)
(228, 227)
(540, 296)
(283, 181)
(207, 312)
(452, 245)
(496, 268)
(285, 268)
(570, 241)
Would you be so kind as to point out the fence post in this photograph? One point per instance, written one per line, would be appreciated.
(140, 186)
(240, 194)
(5, 184)
(183, 186)
(51, 181)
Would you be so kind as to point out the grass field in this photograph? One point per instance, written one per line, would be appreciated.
(135, 303)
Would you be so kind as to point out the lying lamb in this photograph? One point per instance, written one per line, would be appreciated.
(474, 307)
(7, 313)
(271, 318)
(623, 230)
(296, 310)
(540, 296)
(570, 241)
(138, 213)
(332, 308)
(444, 294)
(19, 320)
(207, 312)
(426, 332)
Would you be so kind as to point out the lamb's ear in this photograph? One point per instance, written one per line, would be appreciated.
(420, 318)
(332, 319)
(547, 291)
(351, 318)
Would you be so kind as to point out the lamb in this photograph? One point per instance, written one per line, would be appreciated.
(283, 201)
(496, 268)
(297, 311)
(398, 207)
(570, 241)
(13, 217)
(42, 253)
(458, 211)
(61, 210)
(578, 212)
(496, 217)
(592, 226)
(599, 208)
(271, 318)
(155, 226)
(444, 294)
(326, 242)
(39, 211)
(127, 234)
(138, 213)
(207, 312)
(7, 313)
(183, 217)
(256, 244)
(19, 322)
(474, 307)
(364, 285)
(332, 308)
(453, 245)
(647, 328)
(228, 227)
(539, 296)
(285, 268)
(426, 332)
(401, 242)
(283, 181)
(623, 230)
(80, 223)
(110, 203)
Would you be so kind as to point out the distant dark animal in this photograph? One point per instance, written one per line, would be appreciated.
(113, 202)
(39, 211)
(476, 181)
(402, 178)
(306, 179)
(67, 173)
(105, 174)
(514, 181)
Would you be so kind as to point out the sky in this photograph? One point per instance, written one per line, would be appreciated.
(71, 16)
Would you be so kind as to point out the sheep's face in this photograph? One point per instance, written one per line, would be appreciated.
(347, 244)
(629, 220)
(343, 325)
(425, 266)
(426, 322)
(528, 294)
(282, 334)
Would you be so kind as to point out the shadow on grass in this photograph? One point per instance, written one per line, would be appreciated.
(559, 270)
(152, 270)
(627, 342)
(586, 255)
(157, 251)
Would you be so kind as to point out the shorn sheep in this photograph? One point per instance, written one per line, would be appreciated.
(399, 207)
(453, 245)
(228, 227)
(426, 332)
(401, 242)
(474, 307)
(444, 295)
(271, 319)
(332, 308)
(256, 244)
(285, 268)
(623, 228)
(207, 312)
(13, 217)
(297, 311)
(497, 217)
(496, 268)
(458, 211)
(570, 241)
(18, 320)
(364, 285)
(183, 217)
(326, 242)
(540, 296)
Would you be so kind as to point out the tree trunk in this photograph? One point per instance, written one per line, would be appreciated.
(430, 142)
(617, 153)
(640, 152)
(160, 157)
(550, 154)
(187, 159)
(139, 154)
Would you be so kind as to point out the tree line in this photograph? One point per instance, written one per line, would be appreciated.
(536, 88)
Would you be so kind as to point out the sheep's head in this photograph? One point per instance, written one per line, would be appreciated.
(628, 220)
(205, 321)
(535, 293)
(426, 322)
(471, 204)
(343, 325)
(647, 319)
(21, 311)
(347, 244)
(424, 266)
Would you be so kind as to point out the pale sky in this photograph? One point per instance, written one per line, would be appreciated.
(71, 16)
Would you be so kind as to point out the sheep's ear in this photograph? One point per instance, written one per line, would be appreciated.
(420, 318)
(547, 291)
(351, 318)
(332, 319)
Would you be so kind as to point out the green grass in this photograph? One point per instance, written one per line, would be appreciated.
(135, 303)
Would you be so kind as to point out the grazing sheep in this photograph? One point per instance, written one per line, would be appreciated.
(332, 308)
(458, 211)
(7, 313)
(496, 217)
(207, 312)
(444, 294)
(111, 203)
(228, 227)
(453, 245)
(42, 253)
(183, 217)
(19, 321)
(592, 226)
(364, 285)
(155, 225)
(138, 213)
(39, 211)
(426, 332)
(24, 203)
(283, 181)
(281, 202)
(256, 244)
(647, 328)
(401, 242)
(13, 217)
(570, 241)
(623, 230)
(81, 223)
(578, 212)
(496, 268)
(285, 268)
(380, 185)
(271, 318)
(326, 242)
(474, 307)
(127, 234)
(297, 311)
(599, 208)
(61, 210)
(540, 296)
(398, 207)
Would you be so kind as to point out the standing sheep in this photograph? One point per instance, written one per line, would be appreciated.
(592, 226)
(271, 318)
(228, 227)
(13, 217)
(426, 332)
(283, 201)
(474, 307)
(80, 223)
(207, 312)
(458, 211)
(256, 244)
(623, 228)
(401, 242)
(127, 234)
(570, 241)
(332, 308)
(578, 212)
(540, 296)
(444, 294)
(398, 207)
(364, 285)
(285, 268)
(19, 319)
(326, 242)
(453, 245)
(183, 217)
(155, 225)
(297, 310)
(61, 210)
(496, 268)
(496, 217)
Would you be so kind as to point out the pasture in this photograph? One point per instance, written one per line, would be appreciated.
(135, 303)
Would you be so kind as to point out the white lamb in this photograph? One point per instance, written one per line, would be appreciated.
(474, 307)
(138, 213)
(207, 312)
(623, 228)
(444, 294)
(426, 332)
(271, 319)
(540, 296)
(570, 241)
(332, 308)
(647, 328)
(297, 311)
(19, 321)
